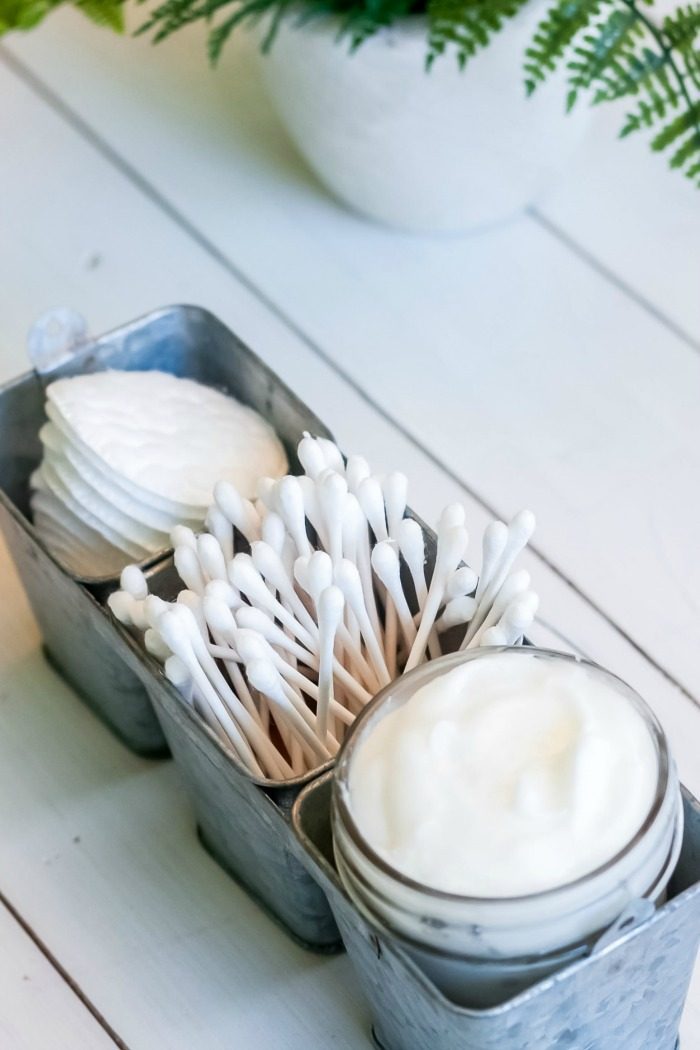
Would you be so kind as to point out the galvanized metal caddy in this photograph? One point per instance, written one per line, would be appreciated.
(627, 995)
(78, 636)
(274, 838)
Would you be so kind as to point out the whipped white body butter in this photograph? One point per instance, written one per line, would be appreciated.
(496, 811)
(505, 777)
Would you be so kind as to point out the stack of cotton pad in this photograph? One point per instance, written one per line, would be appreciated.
(129, 454)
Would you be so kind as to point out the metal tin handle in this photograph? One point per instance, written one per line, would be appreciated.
(55, 338)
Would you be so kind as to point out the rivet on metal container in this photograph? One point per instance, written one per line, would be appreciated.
(627, 994)
(79, 637)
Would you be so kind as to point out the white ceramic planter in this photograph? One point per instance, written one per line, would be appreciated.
(432, 152)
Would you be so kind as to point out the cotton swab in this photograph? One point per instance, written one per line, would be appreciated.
(385, 562)
(134, 582)
(221, 528)
(371, 500)
(212, 559)
(332, 490)
(311, 457)
(517, 535)
(239, 511)
(492, 546)
(515, 585)
(183, 536)
(395, 489)
(188, 568)
(356, 470)
(290, 506)
(180, 641)
(330, 614)
(315, 575)
(412, 546)
(451, 544)
(463, 581)
(347, 577)
(267, 679)
(458, 610)
(332, 454)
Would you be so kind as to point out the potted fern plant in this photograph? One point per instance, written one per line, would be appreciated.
(414, 112)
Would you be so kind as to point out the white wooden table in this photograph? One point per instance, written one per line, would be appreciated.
(553, 362)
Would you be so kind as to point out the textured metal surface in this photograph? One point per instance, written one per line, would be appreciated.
(629, 996)
(78, 634)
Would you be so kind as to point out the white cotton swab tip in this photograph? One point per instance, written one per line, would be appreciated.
(153, 640)
(395, 488)
(493, 636)
(176, 672)
(452, 516)
(462, 582)
(189, 569)
(121, 605)
(264, 676)
(183, 536)
(223, 590)
(331, 604)
(133, 580)
(153, 609)
(458, 610)
(332, 454)
(211, 557)
(274, 531)
(218, 615)
(311, 456)
(356, 470)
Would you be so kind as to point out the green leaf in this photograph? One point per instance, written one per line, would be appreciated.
(24, 14)
(108, 13)
(554, 35)
(686, 121)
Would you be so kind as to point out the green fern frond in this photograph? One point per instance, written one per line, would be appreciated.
(553, 37)
(26, 14)
(109, 13)
(608, 47)
(466, 26)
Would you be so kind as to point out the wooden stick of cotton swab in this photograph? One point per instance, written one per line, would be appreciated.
(250, 645)
(357, 522)
(265, 677)
(250, 617)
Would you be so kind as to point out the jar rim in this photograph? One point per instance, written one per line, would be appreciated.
(444, 664)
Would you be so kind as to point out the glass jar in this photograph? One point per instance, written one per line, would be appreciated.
(480, 951)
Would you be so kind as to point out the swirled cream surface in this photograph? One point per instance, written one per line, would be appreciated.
(505, 776)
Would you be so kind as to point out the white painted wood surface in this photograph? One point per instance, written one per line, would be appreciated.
(551, 362)
(30, 987)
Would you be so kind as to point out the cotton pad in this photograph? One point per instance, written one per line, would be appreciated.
(130, 454)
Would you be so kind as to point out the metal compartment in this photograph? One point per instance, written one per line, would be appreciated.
(628, 995)
(78, 636)
(244, 823)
